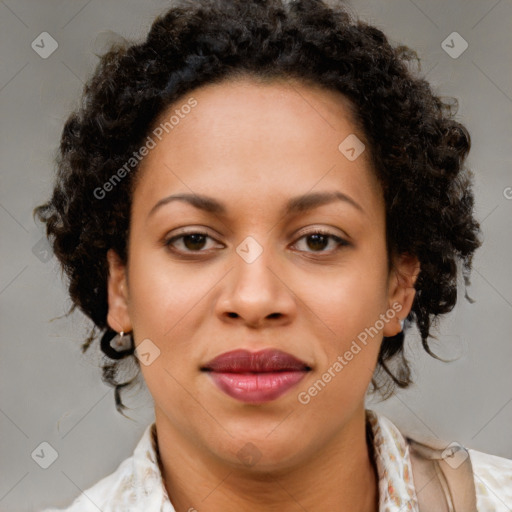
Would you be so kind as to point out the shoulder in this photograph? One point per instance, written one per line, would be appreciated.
(102, 493)
(493, 481)
(135, 484)
(492, 475)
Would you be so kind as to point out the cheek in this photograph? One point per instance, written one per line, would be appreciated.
(349, 302)
(163, 294)
(348, 351)
(350, 298)
(163, 307)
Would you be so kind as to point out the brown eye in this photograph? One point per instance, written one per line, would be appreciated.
(317, 241)
(194, 242)
(188, 242)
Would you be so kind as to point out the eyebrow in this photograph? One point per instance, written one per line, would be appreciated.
(299, 204)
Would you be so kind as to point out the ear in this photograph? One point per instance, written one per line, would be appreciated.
(118, 318)
(401, 290)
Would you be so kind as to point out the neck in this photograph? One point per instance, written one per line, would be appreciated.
(341, 475)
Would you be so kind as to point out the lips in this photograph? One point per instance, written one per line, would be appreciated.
(256, 377)
(240, 361)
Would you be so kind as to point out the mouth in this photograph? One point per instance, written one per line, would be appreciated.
(256, 377)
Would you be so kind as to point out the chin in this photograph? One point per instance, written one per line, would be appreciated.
(263, 454)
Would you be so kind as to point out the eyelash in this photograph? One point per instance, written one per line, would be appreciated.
(340, 241)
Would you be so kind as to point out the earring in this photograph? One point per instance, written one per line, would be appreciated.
(118, 343)
(117, 346)
(402, 322)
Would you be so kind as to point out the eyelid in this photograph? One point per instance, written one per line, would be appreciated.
(324, 231)
(189, 231)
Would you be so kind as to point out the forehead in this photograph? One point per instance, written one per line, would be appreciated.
(255, 139)
(248, 100)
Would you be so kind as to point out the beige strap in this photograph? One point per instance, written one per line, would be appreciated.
(443, 484)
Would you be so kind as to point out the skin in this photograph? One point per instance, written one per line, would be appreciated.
(253, 146)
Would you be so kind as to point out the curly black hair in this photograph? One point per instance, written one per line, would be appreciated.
(417, 148)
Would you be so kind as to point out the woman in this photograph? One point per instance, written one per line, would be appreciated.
(253, 203)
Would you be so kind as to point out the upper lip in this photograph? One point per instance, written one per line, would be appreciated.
(268, 360)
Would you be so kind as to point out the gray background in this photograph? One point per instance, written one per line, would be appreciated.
(51, 392)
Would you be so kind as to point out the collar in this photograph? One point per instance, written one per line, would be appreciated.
(391, 456)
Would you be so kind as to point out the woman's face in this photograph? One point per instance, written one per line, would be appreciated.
(267, 160)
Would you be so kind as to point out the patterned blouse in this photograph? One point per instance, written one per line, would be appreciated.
(137, 483)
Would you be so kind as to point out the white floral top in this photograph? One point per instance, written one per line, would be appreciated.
(137, 483)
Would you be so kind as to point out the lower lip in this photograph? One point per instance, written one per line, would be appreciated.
(257, 387)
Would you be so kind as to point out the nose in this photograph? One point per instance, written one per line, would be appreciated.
(256, 294)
